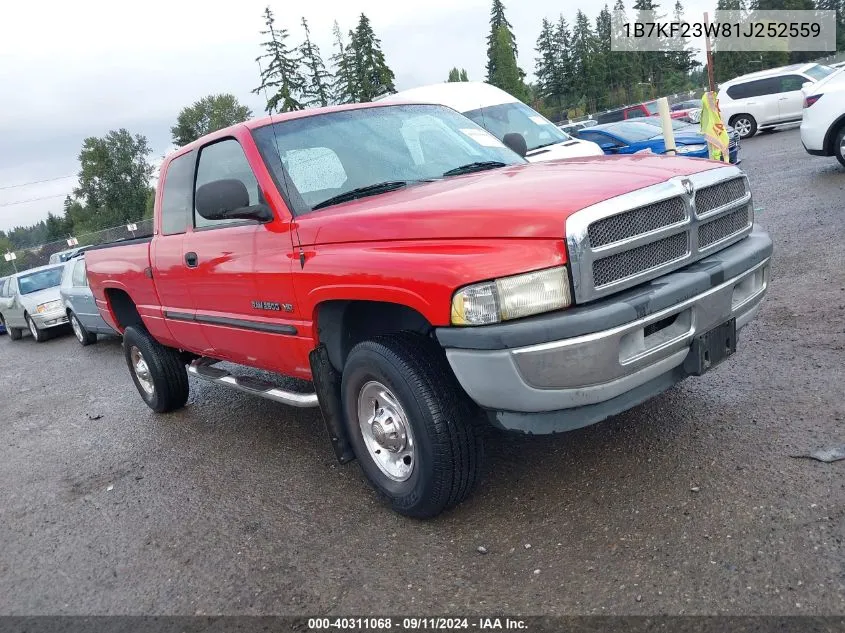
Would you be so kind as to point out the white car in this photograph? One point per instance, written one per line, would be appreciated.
(766, 99)
(502, 115)
(823, 127)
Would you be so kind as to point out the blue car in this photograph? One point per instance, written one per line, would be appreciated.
(632, 137)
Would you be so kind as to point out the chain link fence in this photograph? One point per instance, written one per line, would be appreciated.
(40, 255)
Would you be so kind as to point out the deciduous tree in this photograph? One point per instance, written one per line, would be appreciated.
(209, 114)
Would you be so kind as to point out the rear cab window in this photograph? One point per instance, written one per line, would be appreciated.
(177, 194)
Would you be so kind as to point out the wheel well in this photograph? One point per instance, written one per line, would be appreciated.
(343, 324)
(123, 308)
(830, 138)
(736, 116)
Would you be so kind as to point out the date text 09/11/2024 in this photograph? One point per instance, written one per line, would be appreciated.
(418, 623)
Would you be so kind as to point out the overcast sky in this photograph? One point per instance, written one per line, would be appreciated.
(69, 70)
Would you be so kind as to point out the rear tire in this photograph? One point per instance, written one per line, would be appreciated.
(15, 334)
(839, 146)
(423, 450)
(39, 335)
(157, 371)
(744, 124)
(82, 335)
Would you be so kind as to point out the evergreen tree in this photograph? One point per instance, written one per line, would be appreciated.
(456, 75)
(344, 88)
(281, 80)
(563, 61)
(499, 21)
(506, 74)
(545, 68)
(583, 47)
(316, 89)
(372, 73)
(602, 64)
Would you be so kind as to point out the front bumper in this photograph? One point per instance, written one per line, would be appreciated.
(568, 369)
(46, 320)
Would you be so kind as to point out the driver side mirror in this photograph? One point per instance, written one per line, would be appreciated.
(228, 199)
(516, 142)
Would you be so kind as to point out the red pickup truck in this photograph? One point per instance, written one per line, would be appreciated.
(427, 281)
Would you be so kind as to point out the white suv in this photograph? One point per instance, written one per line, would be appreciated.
(823, 127)
(766, 99)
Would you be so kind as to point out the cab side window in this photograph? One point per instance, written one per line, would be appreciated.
(225, 160)
(177, 197)
(79, 278)
(791, 83)
(4, 288)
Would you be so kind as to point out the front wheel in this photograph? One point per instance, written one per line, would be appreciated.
(412, 428)
(745, 125)
(82, 335)
(157, 371)
(15, 334)
(39, 335)
(839, 148)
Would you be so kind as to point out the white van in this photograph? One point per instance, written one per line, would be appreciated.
(501, 114)
(766, 99)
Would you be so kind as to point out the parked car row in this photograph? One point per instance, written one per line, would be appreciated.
(48, 299)
(646, 135)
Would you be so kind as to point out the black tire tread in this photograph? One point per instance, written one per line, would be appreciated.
(42, 336)
(754, 127)
(164, 362)
(89, 338)
(838, 144)
(457, 432)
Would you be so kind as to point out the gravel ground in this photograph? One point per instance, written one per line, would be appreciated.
(688, 504)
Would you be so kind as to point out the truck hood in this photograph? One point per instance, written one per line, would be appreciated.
(522, 201)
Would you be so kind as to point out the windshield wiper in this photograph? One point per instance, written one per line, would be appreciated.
(534, 149)
(368, 190)
(473, 167)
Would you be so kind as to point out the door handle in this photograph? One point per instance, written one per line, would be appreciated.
(191, 260)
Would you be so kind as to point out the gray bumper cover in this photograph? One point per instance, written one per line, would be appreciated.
(569, 369)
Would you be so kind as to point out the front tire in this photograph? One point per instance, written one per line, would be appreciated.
(744, 124)
(82, 335)
(39, 335)
(157, 371)
(15, 334)
(839, 146)
(412, 428)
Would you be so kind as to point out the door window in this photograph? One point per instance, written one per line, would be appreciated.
(225, 160)
(791, 83)
(79, 278)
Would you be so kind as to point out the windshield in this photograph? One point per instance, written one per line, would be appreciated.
(517, 117)
(819, 72)
(633, 131)
(43, 279)
(652, 108)
(318, 158)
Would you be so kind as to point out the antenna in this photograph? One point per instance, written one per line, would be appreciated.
(282, 166)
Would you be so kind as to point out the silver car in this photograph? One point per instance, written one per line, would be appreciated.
(31, 301)
(79, 303)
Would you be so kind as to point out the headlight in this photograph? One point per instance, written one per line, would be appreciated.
(512, 297)
(50, 306)
(687, 149)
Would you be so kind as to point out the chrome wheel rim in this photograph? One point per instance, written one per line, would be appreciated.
(77, 328)
(386, 431)
(32, 328)
(142, 371)
(743, 127)
(842, 148)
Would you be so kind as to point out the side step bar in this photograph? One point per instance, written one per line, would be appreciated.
(203, 368)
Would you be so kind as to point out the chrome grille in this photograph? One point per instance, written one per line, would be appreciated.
(643, 220)
(640, 259)
(715, 196)
(722, 227)
(638, 236)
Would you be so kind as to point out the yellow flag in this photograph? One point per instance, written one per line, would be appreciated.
(713, 128)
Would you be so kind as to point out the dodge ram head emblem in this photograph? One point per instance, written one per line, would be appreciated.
(688, 186)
